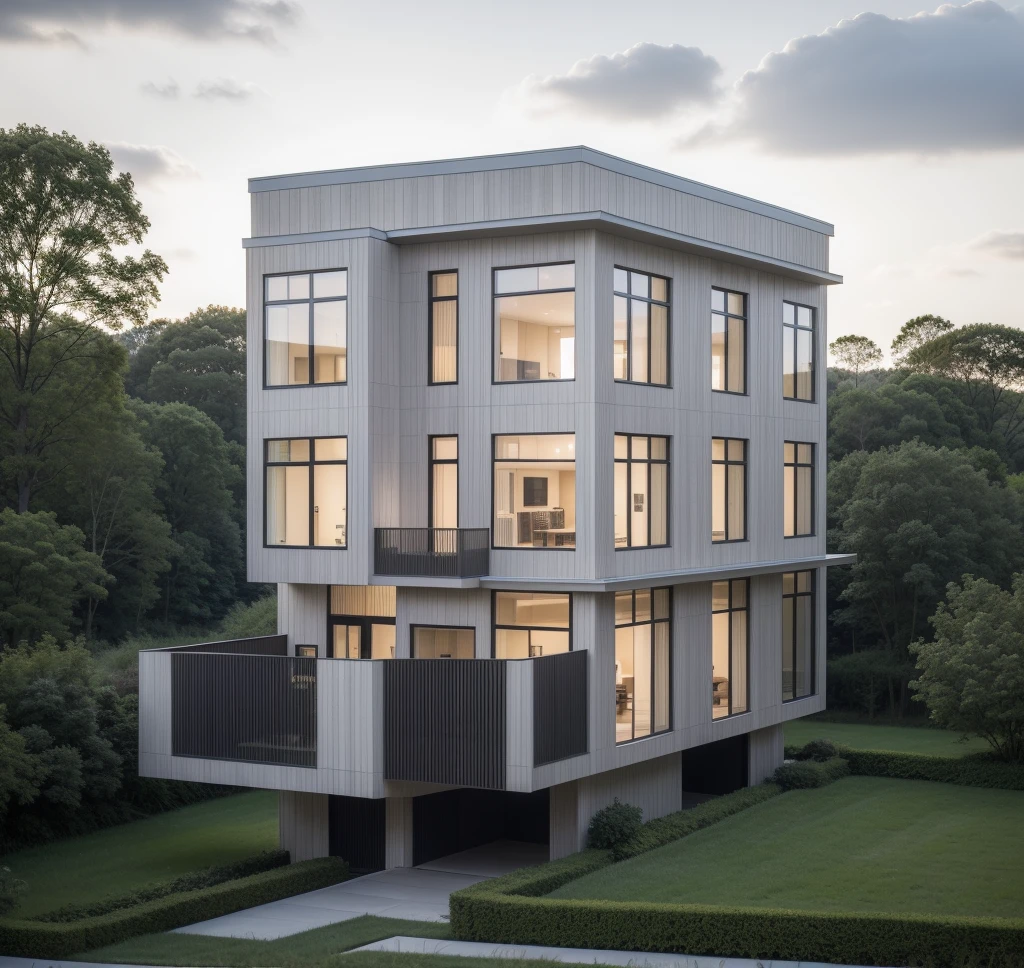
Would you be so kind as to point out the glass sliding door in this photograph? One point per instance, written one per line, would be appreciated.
(642, 663)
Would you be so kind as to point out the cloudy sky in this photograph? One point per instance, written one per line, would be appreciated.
(904, 127)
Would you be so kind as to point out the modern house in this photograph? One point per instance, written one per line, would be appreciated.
(536, 458)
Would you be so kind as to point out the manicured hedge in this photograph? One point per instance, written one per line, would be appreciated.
(40, 939)
(809, 774)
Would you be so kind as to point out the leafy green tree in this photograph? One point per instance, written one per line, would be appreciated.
(44, 573)
(971, 676)
(65, 219)
(199, 360)
(914, 332)
(855, 353)
(19, 773)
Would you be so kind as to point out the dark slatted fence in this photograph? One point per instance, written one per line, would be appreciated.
(258, 645)
(431, 552)
(559, 706)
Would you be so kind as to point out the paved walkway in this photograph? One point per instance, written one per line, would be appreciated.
(410, 893)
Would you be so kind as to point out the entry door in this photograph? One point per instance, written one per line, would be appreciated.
(361, 637)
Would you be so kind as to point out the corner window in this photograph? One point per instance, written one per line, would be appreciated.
(305, 319)
(444, 328)
(797, 352)
(641, 351)
(643, 674)
(434, 642)
(798, 489)
(535, 323)
(728, 489)
(730, 648)
(306, 492)
(535, 491)
(728, 341)
(531, 624)
(641, 491)
(797, 635)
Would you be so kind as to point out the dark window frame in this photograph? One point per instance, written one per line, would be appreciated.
(495, 624)
(413, 626)
(795, 464)
(431, 300)
(727, 463)
(629, 461)
(652, 622)
(526, 460)
(812, 594)
(495, 295)
(630, 298)
(311, 464)
(725, 314)
(797, 328)
(730, 609)
(296, 302)
(431, 463)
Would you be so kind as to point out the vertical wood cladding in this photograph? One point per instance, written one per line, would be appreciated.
(252, 708)
(560, 689)
(444, 721)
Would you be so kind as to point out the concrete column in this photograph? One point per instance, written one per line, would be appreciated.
(398, 832)
(302, 825)
(765, 754)
(563, 819)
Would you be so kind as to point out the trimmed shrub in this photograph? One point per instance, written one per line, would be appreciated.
(819, 750)
(40, 939)
(196, 880)
(978, 770)
(614, 824)
(808, 774)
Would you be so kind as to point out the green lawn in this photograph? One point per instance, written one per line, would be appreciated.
(905, 739)
(861, 844)
(121, 859)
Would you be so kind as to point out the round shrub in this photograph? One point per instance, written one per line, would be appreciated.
(808, 774)
(614, 824)
(819, 750)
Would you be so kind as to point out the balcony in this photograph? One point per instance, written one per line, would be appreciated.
(431, 552)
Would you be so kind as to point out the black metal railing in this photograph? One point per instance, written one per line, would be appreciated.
(559, 706)
(431, 552)
(257, 645)
(244, 705)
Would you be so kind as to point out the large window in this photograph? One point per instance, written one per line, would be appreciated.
(797, 635)
(728, 341)
(641, 491)
(535, 491)
(306, 492)
(444, 327)
(797, 352)
(531, 624)
(444, 482)
(361, 622)
(643, 674)
(306, 328)
(641, 352)
(434, 642)
(535, 323)
(730, 601)
(798, 489)
(728, 489)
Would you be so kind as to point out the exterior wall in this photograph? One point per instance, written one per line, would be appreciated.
(765, 753)
(302, 825)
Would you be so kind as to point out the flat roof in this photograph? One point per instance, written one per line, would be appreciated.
(529, 159)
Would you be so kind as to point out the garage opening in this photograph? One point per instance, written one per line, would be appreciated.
(715, 769)
(355, 831)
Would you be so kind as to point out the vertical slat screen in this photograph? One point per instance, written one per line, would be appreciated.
(559, 706)
(431, 552)
(258, 645)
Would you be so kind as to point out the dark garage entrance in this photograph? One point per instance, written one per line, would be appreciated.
(456, 820)
(355, 831)
(716, 768)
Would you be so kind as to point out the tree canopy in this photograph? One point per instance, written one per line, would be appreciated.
(855, 353)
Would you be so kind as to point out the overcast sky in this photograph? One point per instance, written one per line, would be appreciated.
(903, 127)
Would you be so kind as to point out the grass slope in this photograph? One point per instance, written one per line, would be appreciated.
(903, 739)
(862, 844)
(122, 859)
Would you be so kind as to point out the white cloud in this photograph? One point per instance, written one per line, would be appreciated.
(1005, 245)
(225, 89)
(149, 163)
(646, 81)
(928, 84)
(168, 91)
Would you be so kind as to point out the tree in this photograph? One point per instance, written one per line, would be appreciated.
(63, 217)
(199, 360)
(44, 573)
(972, 674)
(914, 332)
(855, 353)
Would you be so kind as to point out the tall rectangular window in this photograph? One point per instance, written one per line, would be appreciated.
(641, 351)
(641, 491)
(730, 647)
(798, 489)
(444, 482)
(643, 675)
(444, 327)
(535, 323)
(535, 491)
(728, 489)
(797, 352)
(305, 319)
(434, 642)
(305, 504)
(531, 624)
(728, 341)
(797, 635)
